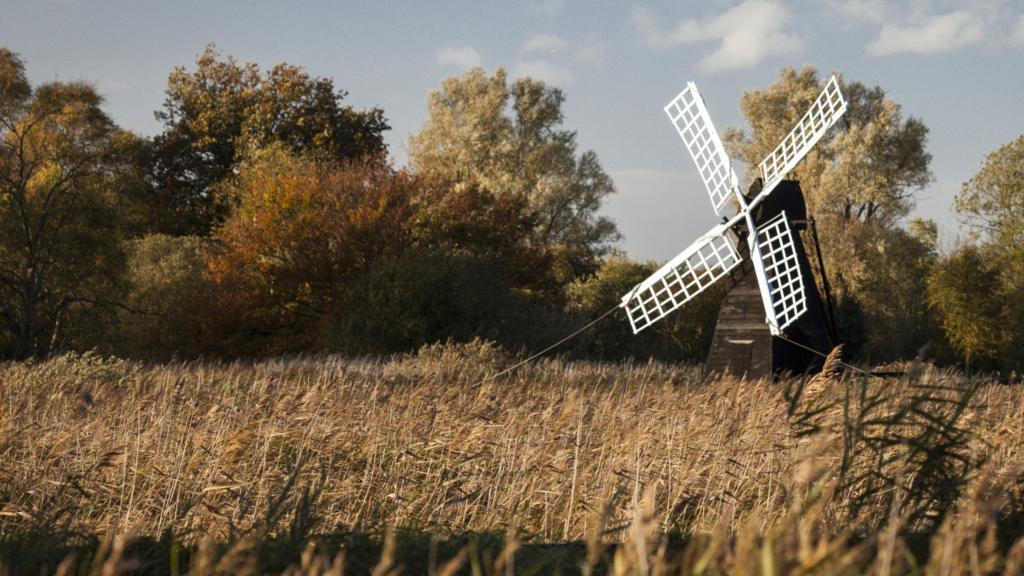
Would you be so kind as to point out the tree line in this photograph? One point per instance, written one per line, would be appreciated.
(266, 218)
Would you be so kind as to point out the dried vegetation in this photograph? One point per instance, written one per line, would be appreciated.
(329, 466)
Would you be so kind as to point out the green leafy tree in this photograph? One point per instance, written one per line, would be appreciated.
(60, 158)
(992, 202)
(591, 296)
(966, 292)
(897, 301)
(222, 111)
(507, 138)
(859, 182)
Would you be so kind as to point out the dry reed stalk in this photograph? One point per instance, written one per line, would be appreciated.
(209, 452)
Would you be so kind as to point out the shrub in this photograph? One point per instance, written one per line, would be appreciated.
(420, 297)
(684, 335)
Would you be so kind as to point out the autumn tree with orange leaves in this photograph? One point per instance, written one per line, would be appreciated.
(299, 230)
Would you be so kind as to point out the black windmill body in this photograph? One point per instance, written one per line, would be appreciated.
(743, 343)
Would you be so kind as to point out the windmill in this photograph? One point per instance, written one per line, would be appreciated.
(757, 248)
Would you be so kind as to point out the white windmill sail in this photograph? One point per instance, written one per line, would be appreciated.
(782, 272)
(693, 123)
(683, 277)
(782, 291)
(823, 113)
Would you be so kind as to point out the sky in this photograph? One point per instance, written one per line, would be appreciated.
(955, 65)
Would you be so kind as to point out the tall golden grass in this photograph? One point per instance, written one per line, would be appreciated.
(419, 464)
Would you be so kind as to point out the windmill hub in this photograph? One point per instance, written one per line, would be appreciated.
(772, 300)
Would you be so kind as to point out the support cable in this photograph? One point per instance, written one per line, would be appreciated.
(536, 355)
(607, 313)
(783, 337)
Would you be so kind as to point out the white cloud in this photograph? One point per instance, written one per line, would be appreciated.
(1018, 34)
(543, 70)
(746, 34)
(545, 43)
(461, 57)
(873, 11)
(941, 33)
(934, 26)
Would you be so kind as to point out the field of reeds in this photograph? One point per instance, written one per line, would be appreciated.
(419, 465)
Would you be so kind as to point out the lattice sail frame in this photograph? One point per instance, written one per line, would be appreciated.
(690, 117)
(782, 271)
(823, 113)
(677, 282)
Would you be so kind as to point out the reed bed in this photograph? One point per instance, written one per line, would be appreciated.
(421, 464)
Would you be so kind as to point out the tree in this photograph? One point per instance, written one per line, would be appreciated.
(866, 169)
(895, 300)
(221, 112)
(168, 292)
(300, 230)
(470, 271)
(362, 258)
(59, 234)
(507, 138)
(992, 202)
(463, 219)
(859, 182)
(965, 291)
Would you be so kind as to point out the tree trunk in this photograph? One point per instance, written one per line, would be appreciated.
(23, 343)
(25, 340)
